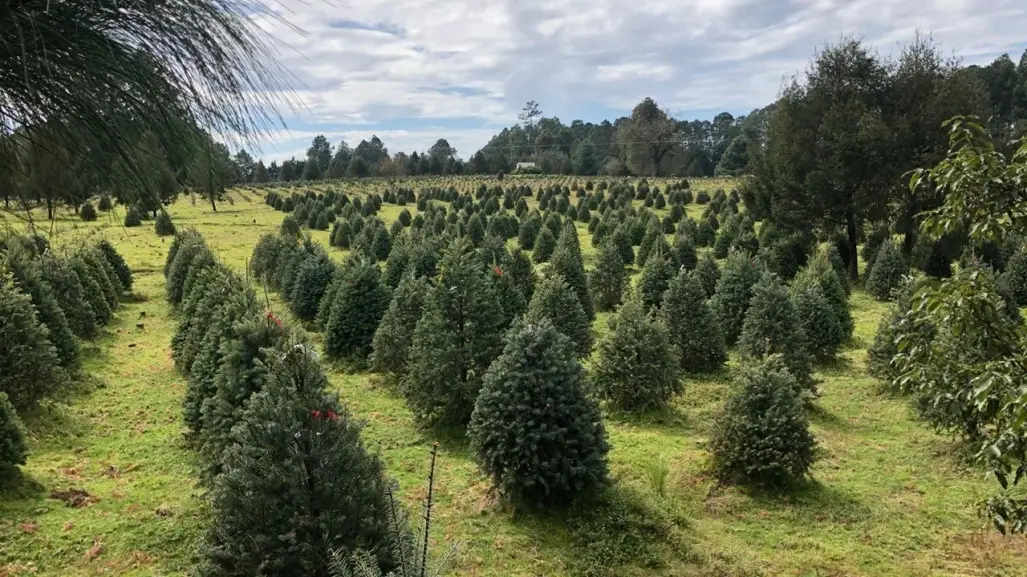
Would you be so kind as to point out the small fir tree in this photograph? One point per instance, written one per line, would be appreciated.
(772, 327)
(609, 277)
(763, 436)
(176, 273)
(312, 280)
(534, 429)
(518, 266)
(818, 319)
(29, 366)
(889, 268)
(297, 482)
(121, 269)
(708, 273)
(163, 225)
(637, 367)
(360, 303)
(692, 325)
(13, 448)
(734, 291)
(394, 335)
(820, 271)
(457, 337)
(57, 272)
(545, 243)
(88, 212)
(93, 293)
(568, 263)
(554, 300)
(656, 276)
(29, 278)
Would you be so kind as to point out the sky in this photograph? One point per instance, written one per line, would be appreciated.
(413, 71)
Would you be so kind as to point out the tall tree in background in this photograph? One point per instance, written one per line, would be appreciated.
(842, 181)
(244, 166)
(320, 152)
(647, 137)
(211, 170)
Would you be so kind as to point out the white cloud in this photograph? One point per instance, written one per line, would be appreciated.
(380, 64)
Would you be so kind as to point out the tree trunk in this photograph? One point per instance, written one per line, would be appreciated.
(49, 207)
(850, 227)
(212, 205)
(908, 242)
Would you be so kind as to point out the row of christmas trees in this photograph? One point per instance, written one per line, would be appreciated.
(49, 303)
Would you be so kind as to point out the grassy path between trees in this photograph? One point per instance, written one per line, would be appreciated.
(890, 497)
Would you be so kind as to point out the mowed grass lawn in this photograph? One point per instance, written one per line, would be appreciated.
(889, 496)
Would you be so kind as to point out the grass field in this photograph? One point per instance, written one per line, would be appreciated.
(889, 497)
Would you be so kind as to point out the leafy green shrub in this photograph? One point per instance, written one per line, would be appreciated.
(457, 337)
(105, 203)
(554, 300)
(29, 366)
(773, 327)
(763, 435)
(692, 325)
(13, 448)
(394, 335)
(889, 268)
(360, 303)
(637, 367)
(730, 301)
(534, 429)
(297, 482)
(88, 212)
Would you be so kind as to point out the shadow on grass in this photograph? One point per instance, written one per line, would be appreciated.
(821, 416)
(666, 419)
(810, 502)
(55, 420)
(15, 485)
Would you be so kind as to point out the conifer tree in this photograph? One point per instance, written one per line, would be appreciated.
(656, 276)
(901, 320)
(163, 225)
(554, 300)
(29, 278)
(692, 325)
(545, 243)
(508, 295)
(772, 327)
(312, 280)
(568, 263)
(361, 300)
(29, 366)
(637, 367)
(457, 337)
(13, 448)
(734, 291)
(653, 231)
(763, 435)
(394, 335)
(181, 239)
(179, 268)
(817, 318)
(889, 269)
(519, 267)
(93, 293)
(534, 429)
(1014, 279)
(265, 256)
(211, 286)
(609, 277)
(683, 253)
(622, 239)
(820, 270)
(121, 269)
(708, 273)
(297, 482)
(71, 297)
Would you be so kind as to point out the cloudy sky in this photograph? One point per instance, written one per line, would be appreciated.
(412, 71)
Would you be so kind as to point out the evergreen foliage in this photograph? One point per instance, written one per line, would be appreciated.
(692, 326)
(820, 270)
(312, 280)
(457, 337)
(71, 297)
(772, 327)
(121, 269)
(13, 448)
(29, 366)
(554, 300)
(29, 278)
(163, 225)
(175, 274)
(360, 303)
(517, 264)
(734, 291)
(394, 335)
(88, 212)
(568, 263)
(297, 482)
(91, 288)
(708, 273)
(656, 276)
(609, 278)
(534, 429)
(545, 243)
(763, 436)
(1014, 279)
(637, 367)
(889, 268)
(817, 317)
(133, 217)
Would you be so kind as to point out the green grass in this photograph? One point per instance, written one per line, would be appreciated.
(889, 497)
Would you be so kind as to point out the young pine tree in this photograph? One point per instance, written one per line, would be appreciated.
(519, 267)
(773, 327)
(692, 325)
(312, 280)
(554, 300)
(360, 303)
(508, 295)
(708, 273)
(734, 291)
(116, 261)
(534, 429)
(544, 245)
(28, 277)
(637, 367)
(609, 278)
(57, 272)
(391, 342)
(297, 482)
(889, 269)
(818, 319)
(91, 289)
(13, 447)
(163, 225)
(29, 366)
(176, 273)
(568, 263)
(763, 435)
(820, 270)
(656, 276)
(457, 337)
